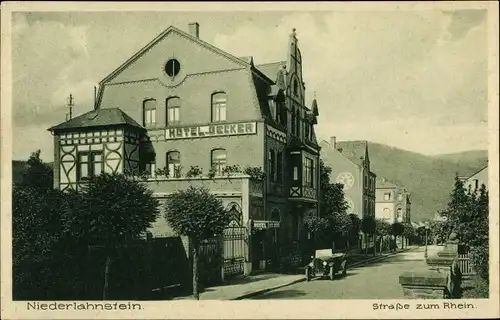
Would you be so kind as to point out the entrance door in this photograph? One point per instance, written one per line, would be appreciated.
(258, 239)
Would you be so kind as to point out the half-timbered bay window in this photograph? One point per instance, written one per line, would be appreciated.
(173, 110)
(309, 172)
(174, 164)
(90, 164)
(219, 160)
(219, 107)
(149, 113)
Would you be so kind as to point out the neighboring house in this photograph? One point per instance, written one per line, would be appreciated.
(474, 181)
(179, 103)
(350, 164)
(392, 202)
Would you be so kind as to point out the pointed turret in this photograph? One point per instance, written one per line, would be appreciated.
(314, 106)
(281, 78)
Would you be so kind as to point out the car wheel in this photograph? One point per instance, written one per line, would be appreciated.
(308, 274)
(332, 273)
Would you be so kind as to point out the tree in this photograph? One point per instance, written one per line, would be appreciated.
(199, 215)
(316, 226)
(333, 205)
(111, 211)
(457, 211)
(409, 231)
(383, 229)
(37, 241)
(368, 226)
(39, 174)
(479, 239)
(397, 229)
(355, 227)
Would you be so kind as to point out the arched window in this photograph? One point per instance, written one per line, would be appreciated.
(174, 164)
(149, 113)
(236, 215)
(219, 160)
(295, 87)
(219, 107)
(399, 214)
(173, 110)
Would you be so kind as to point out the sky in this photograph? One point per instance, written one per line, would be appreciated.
(416, 80)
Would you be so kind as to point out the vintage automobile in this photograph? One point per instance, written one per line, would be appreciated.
(326, 263)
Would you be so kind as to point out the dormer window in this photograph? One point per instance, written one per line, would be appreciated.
(295, 88)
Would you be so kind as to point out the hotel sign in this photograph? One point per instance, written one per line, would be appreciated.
(214, 130)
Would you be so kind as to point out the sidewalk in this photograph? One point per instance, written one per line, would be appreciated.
(245, 287)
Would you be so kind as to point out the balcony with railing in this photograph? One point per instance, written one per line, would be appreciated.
(232, 185)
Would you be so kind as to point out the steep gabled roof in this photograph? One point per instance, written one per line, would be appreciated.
(271, 69)
(353, 150)
(244, 62)
(163, 35)
(327, 150)
(98, 118)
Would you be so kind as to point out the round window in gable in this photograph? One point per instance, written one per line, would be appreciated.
(172, 67)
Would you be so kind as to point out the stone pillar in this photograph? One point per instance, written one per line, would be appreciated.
(425, 285)
(247, 268)
(446, 262)
(245, 209)
(188, 281)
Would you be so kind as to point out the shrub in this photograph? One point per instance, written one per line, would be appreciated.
(255, 173)
(479, 290)
(194, 171)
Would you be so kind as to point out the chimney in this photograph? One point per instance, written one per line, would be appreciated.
(333, 142)
(194, 29)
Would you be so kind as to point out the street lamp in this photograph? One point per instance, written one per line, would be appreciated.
(426, 231)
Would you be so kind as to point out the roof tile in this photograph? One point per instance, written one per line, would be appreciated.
(98, 118)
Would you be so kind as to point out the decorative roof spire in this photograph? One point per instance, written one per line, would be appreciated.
(315, 105)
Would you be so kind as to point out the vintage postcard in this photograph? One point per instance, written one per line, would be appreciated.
(325, 160)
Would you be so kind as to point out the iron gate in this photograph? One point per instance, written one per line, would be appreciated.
(234, 250)
(465, 264)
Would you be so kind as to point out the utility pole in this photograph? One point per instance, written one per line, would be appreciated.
(95, 97)
(70, 106)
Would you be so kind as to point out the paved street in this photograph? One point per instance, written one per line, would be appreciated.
(378, 280)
